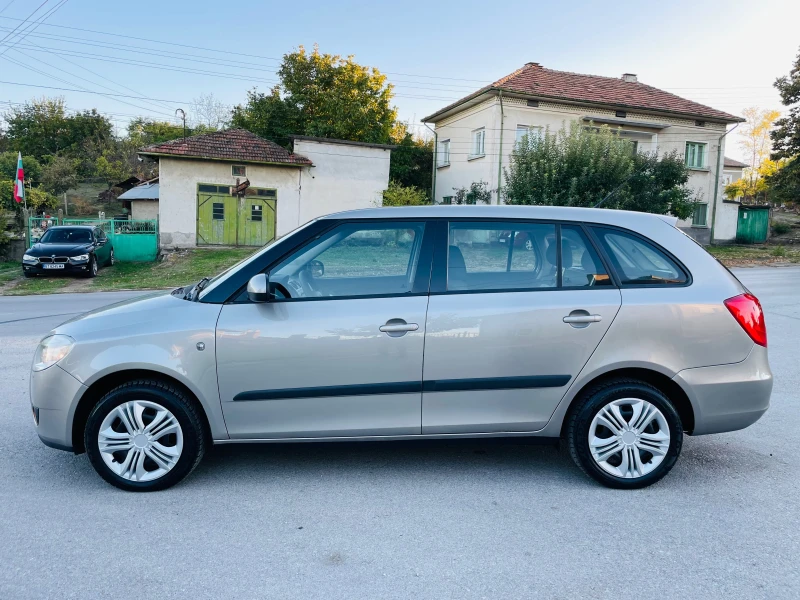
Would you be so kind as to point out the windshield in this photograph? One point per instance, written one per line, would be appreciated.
(67, 236)
(227, 272)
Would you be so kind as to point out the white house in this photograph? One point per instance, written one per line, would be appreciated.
(281, 190)
(476, 135)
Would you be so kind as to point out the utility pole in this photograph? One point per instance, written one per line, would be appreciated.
(183, 116)
(66, 214)
(716, 184)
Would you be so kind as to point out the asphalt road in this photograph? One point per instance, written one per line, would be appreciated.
(451, 520)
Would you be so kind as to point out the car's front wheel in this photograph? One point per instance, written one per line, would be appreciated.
(144, 436)
(92, 272)
(625, 434)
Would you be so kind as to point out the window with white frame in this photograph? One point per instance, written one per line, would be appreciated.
(530, 131)
(478, 143)
(238, 170)
(444, 153)
(696, 155)
(700, 215)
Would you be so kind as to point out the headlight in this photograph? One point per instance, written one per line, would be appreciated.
(51, 350)
(29, 258)
(80, 258)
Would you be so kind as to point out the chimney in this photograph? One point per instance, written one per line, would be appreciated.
(532, 64)
(630, 77)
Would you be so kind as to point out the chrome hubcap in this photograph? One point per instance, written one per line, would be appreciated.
(629, 438)
(140, 440)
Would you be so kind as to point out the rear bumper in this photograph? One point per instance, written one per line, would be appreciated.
(728, 397)
(55, 393)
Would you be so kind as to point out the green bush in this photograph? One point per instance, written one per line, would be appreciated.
(400, 195)
(779, 227)
(778, 251)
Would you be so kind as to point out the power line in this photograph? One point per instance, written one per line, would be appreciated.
(46, 87)
(25, 20)
(33, 27)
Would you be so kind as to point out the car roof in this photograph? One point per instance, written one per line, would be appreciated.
(624, 218)
(72, 227)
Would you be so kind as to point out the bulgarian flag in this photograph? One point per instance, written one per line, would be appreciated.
(19, 184)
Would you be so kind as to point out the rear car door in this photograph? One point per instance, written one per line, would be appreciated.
(516, 310)
(338, 352)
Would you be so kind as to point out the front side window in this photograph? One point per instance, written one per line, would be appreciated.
(354, 259)
(444, 153)
(478, 142)
(696, 155)
(638, 262)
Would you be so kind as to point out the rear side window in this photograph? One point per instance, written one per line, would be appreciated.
(638, 262)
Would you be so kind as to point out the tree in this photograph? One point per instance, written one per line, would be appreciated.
(43, 128)
(143, 131)
(478, 192)
(8, 167)
(580, 166)
(786, 135)
(210, 113)
(400, 195)
(785, 182)
(59, 175)
(321, 95)
(755, 141)
(411, 159)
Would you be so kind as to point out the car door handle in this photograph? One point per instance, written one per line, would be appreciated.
(582, 319)
(398, 327)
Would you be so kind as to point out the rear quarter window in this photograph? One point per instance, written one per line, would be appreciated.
(637, 261)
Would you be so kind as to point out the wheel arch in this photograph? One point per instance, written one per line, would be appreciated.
(108, 382)
(670, 388)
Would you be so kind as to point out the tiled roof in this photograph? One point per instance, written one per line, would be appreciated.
(230, 144)
(535, 80)
(729, 162)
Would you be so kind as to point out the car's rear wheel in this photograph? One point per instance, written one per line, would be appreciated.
(625, 434)
(144, 436)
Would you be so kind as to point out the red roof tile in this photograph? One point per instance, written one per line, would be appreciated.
(729, 162)
(535, 80)
(230, 144)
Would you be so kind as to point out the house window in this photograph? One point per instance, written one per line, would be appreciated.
(478, 143)
(700, 215)
(218, 211)
(255, 212)
(447, 200)
(267, 193)
(695, 155)
(635, 146)
(239, 171)
(444, 153)
(531, 132)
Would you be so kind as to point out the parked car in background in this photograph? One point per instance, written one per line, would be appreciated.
(610, 330)
(70, 249)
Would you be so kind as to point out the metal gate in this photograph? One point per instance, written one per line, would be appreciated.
(133, 241)
(225, 220)
(753, 224)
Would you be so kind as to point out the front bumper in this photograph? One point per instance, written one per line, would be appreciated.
(728, 397)
(54, 396)
(69, 269)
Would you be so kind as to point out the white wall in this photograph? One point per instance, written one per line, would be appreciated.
(344, 177)
(462, 172)
(727, 221)
(144, 209)
(178, 180)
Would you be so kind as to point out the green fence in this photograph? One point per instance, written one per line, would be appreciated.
(132, 240)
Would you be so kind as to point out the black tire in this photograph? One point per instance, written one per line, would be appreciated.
(174, 400)
(110, 262)
(92, 272)
(28, 275)
(592, 401)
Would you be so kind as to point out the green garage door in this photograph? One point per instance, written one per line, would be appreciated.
(225, 220)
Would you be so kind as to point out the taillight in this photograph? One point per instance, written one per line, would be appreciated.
(746, 309)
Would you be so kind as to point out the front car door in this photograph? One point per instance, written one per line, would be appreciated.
(338, 352)
(516, 310)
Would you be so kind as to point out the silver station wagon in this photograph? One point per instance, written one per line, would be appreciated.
(611, 331)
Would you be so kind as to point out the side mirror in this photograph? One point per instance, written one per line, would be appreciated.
(258, 288)
(101, 242)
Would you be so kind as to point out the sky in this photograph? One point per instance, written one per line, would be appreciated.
(725, 54)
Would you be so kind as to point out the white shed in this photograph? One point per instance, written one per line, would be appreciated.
(280, 190)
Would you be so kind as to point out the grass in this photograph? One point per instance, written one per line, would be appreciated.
(746, 255)
(176, 269)
(8, 271)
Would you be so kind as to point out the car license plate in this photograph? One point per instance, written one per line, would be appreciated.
(53, 266)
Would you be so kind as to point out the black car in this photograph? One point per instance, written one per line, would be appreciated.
(69, 249)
